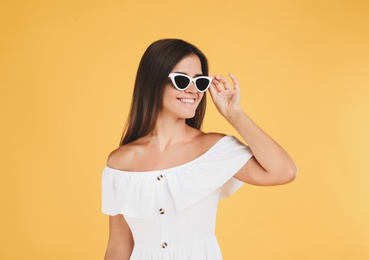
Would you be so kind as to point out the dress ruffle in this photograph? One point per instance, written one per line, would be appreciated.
(134, 193)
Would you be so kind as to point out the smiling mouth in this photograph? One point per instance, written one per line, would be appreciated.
(187, 100)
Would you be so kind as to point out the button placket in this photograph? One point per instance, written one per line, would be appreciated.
(162, 213)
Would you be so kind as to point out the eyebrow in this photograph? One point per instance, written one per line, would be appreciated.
(197, 75)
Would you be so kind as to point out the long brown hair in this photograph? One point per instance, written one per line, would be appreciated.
(152, 75)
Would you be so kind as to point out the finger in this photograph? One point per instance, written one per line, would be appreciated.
(213, 91)
(235, 81)
(228, 93)
(218, 85)
(223, 81)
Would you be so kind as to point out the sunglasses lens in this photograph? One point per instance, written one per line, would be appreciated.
(181, 81)
(202, 84)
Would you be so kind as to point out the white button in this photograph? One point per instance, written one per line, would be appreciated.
(164, 245)
(161, 211)
(159, 177)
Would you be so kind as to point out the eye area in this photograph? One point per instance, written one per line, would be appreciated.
(182, 81)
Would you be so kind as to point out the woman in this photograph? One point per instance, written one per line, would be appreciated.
(161, 186)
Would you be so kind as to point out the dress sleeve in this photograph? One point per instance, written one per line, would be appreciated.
(108, 192)
(213, 170)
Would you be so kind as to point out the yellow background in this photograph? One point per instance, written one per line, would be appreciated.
(66, 74)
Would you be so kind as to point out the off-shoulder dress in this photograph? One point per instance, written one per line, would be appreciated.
(172, 212)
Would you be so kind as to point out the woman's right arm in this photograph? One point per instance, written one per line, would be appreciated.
(120, 242)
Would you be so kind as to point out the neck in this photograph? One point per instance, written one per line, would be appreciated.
(167, 132)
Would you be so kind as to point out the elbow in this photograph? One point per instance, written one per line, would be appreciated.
(290, 174)
(286, 175)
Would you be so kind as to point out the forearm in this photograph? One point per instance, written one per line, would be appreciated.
(270, 155)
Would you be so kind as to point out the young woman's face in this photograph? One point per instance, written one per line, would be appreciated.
(183, 104)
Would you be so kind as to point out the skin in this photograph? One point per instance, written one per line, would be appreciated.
(173, 143)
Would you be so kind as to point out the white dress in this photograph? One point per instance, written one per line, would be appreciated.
(172, 212)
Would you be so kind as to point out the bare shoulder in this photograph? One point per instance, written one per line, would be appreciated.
(209, 139)
(121, 157)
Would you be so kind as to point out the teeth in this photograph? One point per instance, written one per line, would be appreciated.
(187, 100)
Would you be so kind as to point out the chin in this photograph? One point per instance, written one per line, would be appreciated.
(188, 115)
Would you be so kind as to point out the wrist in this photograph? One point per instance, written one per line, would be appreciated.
(235, 115)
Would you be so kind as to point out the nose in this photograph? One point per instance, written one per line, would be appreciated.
(192, 88)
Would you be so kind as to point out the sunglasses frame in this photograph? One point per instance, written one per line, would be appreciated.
(174, 74)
